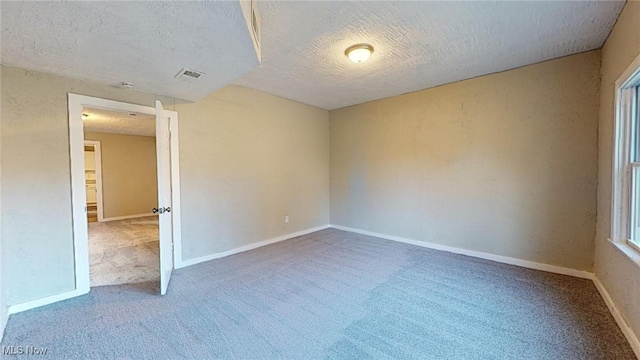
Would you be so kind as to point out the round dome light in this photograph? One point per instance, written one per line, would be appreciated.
(359, 53)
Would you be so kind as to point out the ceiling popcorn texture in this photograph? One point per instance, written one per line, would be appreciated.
(417, 45)
(145, 43)
(115, 122)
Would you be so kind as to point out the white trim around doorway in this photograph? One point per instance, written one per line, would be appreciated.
(78, 194)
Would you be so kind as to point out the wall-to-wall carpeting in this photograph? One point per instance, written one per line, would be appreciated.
(333, 294)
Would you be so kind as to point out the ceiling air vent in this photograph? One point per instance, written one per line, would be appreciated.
(189, 75)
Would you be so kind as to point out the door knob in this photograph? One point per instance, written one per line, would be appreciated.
(161, 210)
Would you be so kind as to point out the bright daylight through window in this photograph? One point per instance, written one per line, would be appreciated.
(634, 166)
(626, 167)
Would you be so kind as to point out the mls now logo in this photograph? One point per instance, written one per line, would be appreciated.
(23, 350)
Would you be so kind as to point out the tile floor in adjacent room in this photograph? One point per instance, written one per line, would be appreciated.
(124, 251)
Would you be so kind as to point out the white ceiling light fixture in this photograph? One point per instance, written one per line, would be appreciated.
(359, 53)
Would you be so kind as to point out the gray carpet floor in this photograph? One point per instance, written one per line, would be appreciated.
(333, 295)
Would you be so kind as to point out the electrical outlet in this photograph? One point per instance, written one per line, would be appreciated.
(286, 218)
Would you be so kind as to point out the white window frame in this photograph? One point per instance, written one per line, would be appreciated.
(626, 122)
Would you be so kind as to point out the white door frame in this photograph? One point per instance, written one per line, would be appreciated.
(78, 193)
(97, 155)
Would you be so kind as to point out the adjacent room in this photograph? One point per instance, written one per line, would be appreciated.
(320, 180)
(120, 151)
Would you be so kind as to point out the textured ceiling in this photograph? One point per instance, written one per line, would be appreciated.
(115, 122)
(143, 42)
(418, 45)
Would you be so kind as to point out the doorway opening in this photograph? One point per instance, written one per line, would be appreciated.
(120, 152)
(125, 192)
(92, 172)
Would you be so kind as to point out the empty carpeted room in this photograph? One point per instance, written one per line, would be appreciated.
(334, 179)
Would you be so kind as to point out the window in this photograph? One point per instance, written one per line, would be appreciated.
(630, 106)
(625, 224)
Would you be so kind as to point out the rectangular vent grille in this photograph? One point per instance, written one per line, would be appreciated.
(189, 75)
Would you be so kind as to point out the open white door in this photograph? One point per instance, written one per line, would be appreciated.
(163, 145)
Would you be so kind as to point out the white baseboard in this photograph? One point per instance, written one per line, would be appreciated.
(626, 330)
(116, 218)
(477, 254)
(622, 323)
(240, 249)
(14, 309)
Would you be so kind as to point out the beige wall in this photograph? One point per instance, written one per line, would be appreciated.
(36, 192)
(129, 180)
(247, 159)
(504, 163)
(3, 309)
(618, 274)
